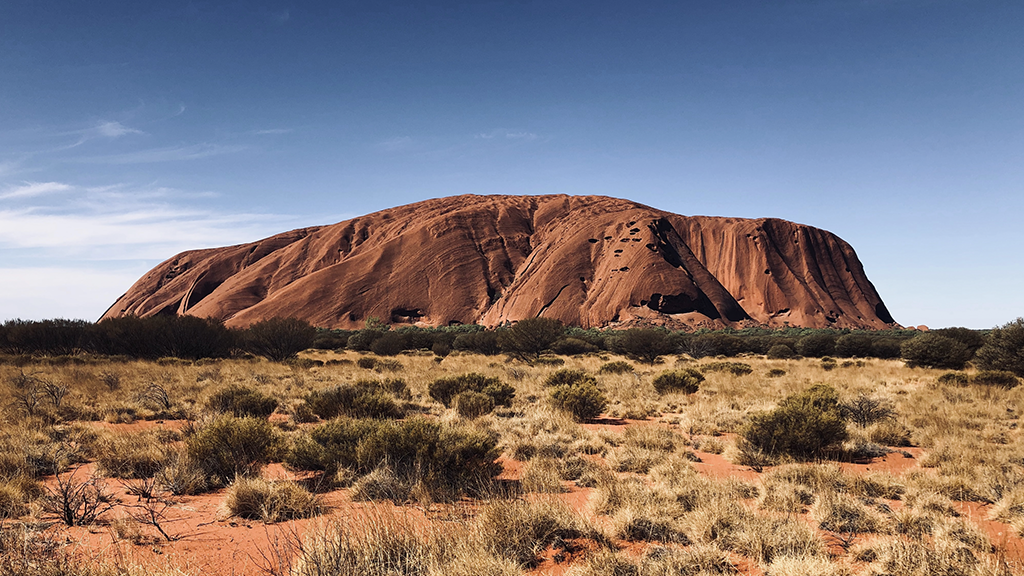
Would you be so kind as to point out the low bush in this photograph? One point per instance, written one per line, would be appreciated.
(242, 401)
(583, 401)
(734, 368)
(261, 499)
(471, 404)
(278, 339)
(780, 351)
(890, 433)
(229, 447)
(127, 455)
(935, 351)
(616, 367)
(854, 346)
(863, 410)
(816, 345)
(803, 425)
(954, 378)
(775, 373)
(684, 381)
(15, 494)
(482, 342)
(519, 530)
(439, 454)
(390, 344)
(643, 344)
(1004, 349)
(444, 390)
(182, 476)
(363, 399)
(572, 347)
(568, 377)
(999, 378)
(528, 338)
(367, 362)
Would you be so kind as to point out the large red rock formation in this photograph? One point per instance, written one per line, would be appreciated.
(586, 260)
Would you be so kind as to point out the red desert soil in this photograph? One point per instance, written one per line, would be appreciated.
(585, 260)
(211, 542)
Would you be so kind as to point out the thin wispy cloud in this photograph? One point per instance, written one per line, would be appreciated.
(31, 189)
(122, 222)
(115, 130)
(507, 135)
(73, 255)
(396, 143)
(272, 131)
(166, 154)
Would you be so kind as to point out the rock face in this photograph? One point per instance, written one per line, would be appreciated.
(589, 261)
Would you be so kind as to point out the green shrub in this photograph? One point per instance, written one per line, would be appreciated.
(803, 425)
(228, 447)
(643, 344)
(529, 337)
(780, 351)
(390, 344)
(1004, 349)
(1000, 378)
(775, 373)
(954, 378)
(935, 351)
(816, 345)
(367, 362)
(583, 401)
(482, 342)
(572, 347)
(734, 368)
(444, 390)
(828, 363)
(440, 454)
(616, 367)
(242, 401)
(853, 346)
(569, 376)
(471, 404)
(363, 399)
(361, 340)
(886, 348)
(684, 381)
(278, 339)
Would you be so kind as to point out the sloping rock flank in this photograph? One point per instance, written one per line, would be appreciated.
(586, 260)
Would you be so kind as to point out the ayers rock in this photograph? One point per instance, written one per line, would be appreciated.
(588, 261)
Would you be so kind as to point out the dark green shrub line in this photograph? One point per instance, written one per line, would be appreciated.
(193, 338)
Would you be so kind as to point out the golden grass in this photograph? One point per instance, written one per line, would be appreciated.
(645, 487)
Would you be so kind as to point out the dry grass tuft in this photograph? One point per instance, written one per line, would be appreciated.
(270, 501)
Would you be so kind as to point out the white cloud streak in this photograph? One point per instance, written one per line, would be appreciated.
(32, 189)
(115, 130)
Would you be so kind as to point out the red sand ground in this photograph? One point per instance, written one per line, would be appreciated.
(208, 541)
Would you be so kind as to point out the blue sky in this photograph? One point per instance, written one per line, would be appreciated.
(130, 131)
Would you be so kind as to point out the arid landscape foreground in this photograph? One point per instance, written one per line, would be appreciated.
(344, 462)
